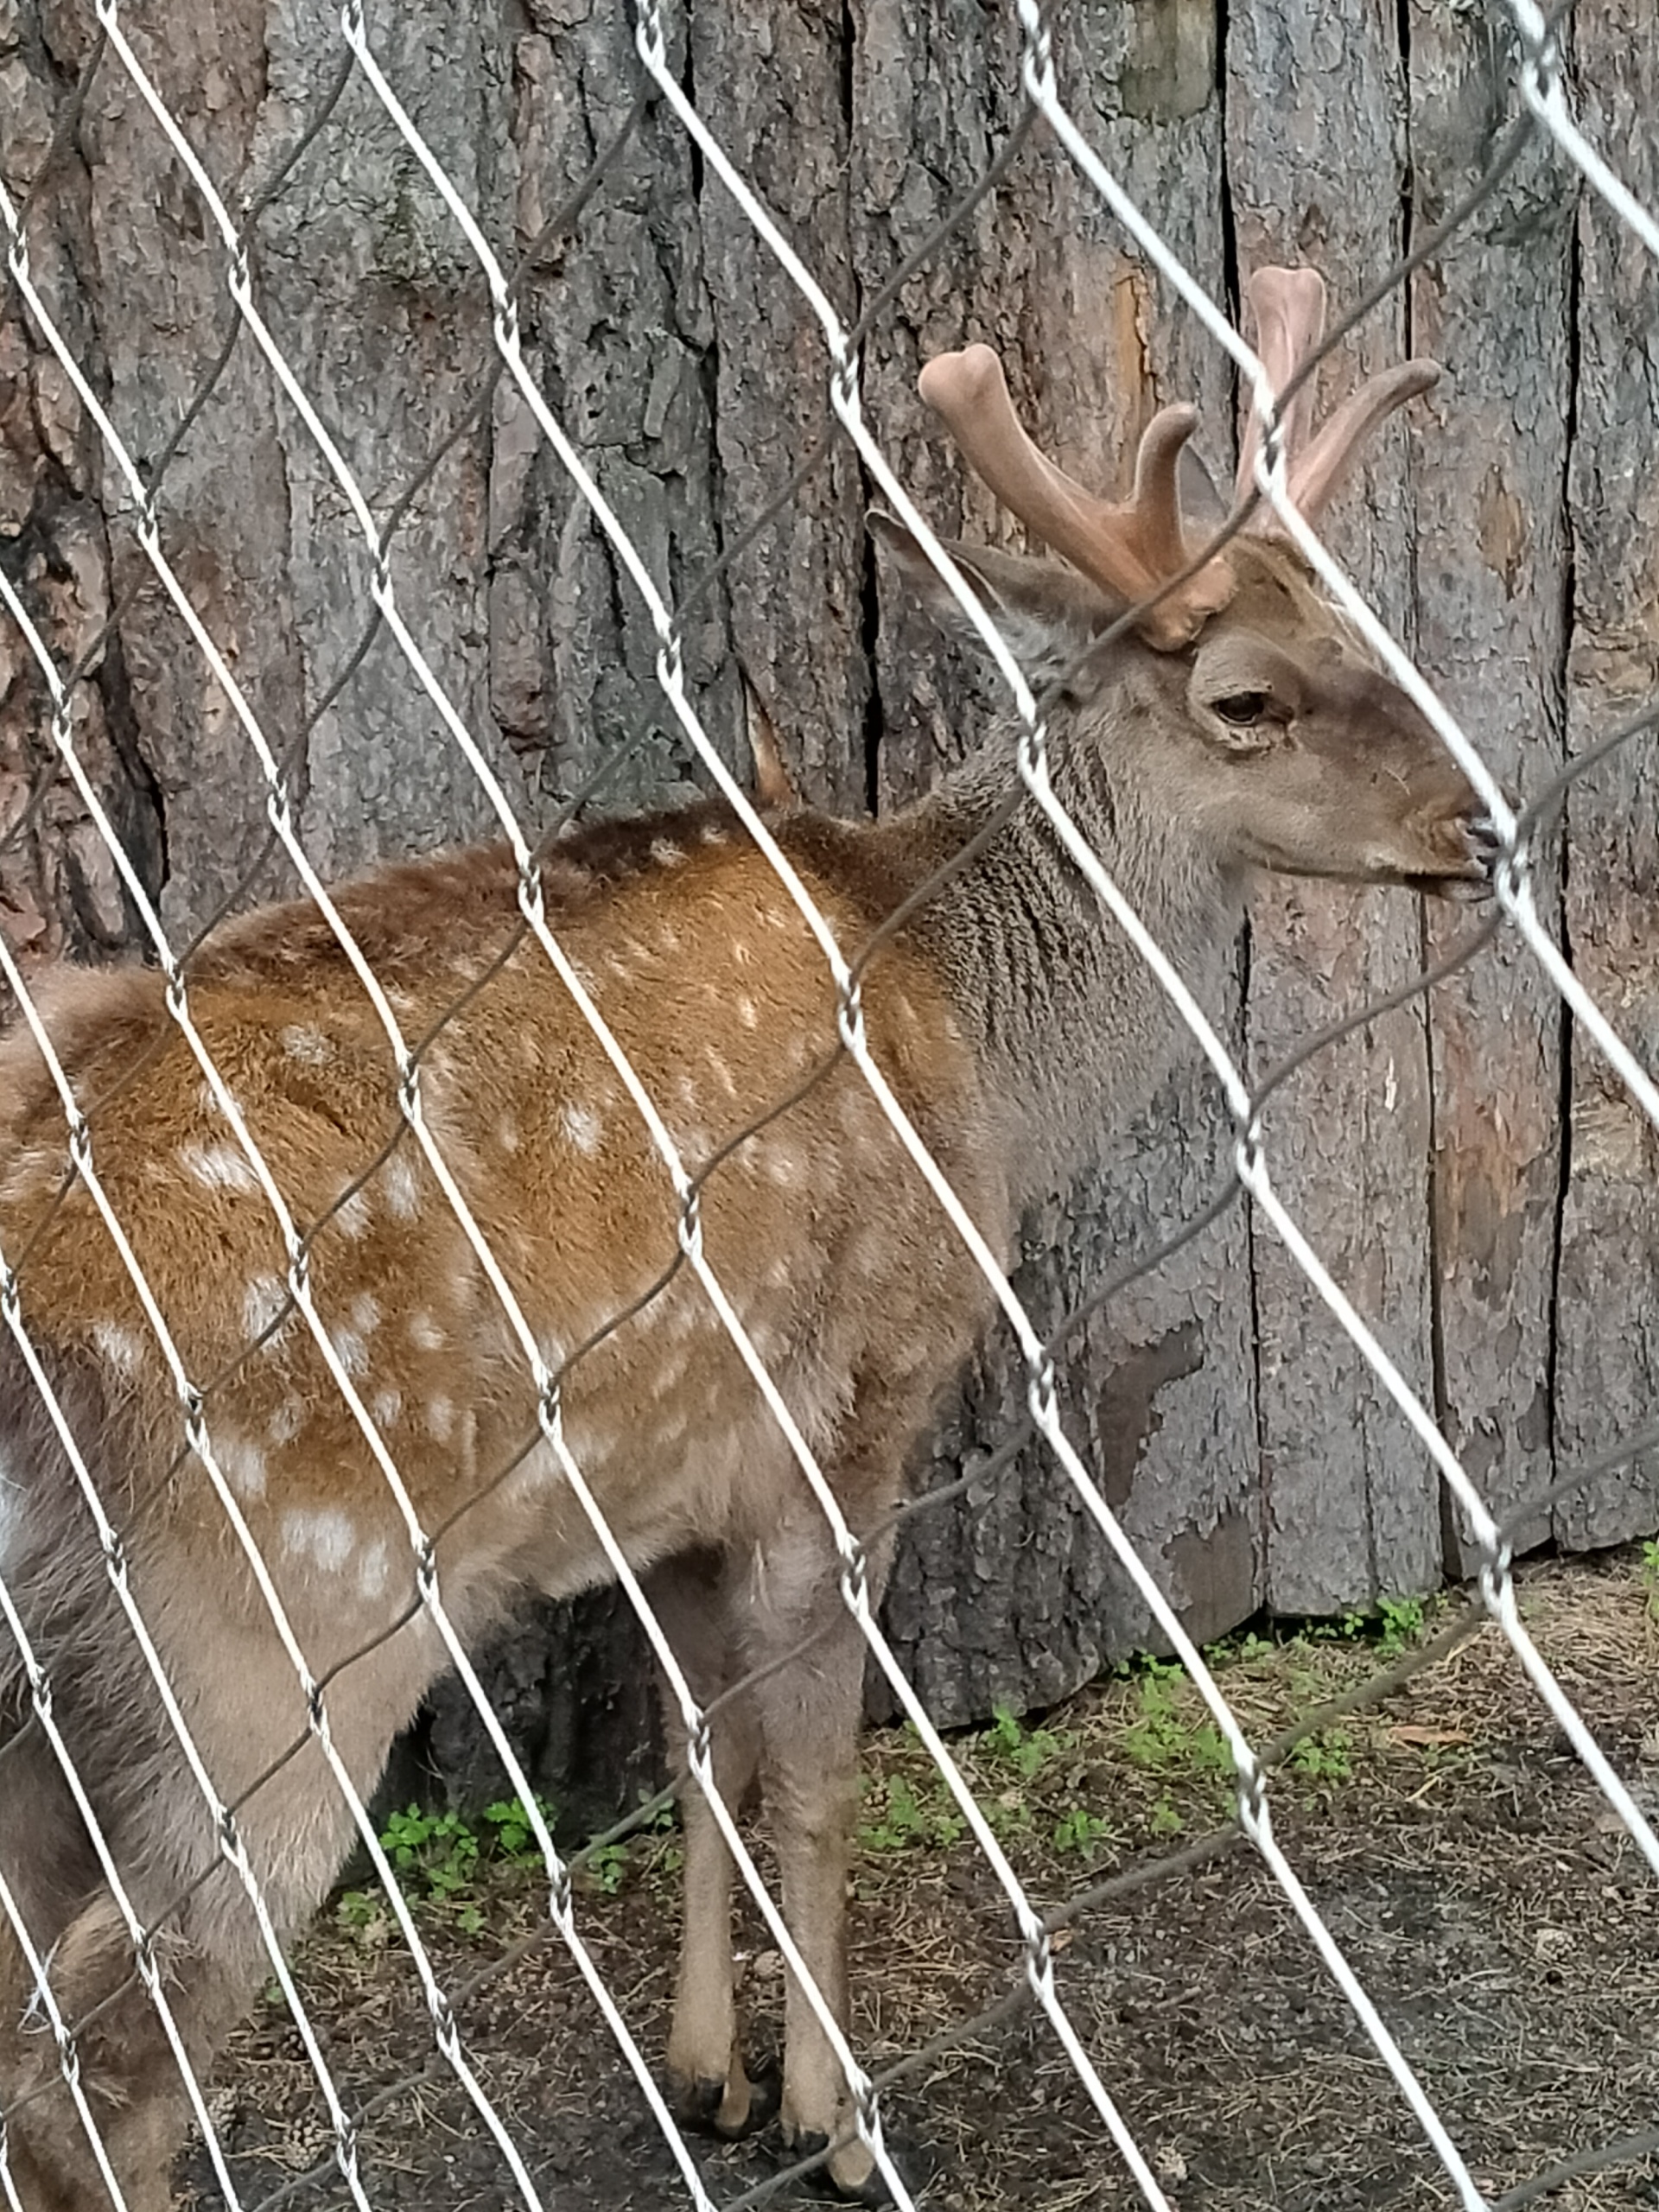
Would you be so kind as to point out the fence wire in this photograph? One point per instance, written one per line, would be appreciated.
(350, 54)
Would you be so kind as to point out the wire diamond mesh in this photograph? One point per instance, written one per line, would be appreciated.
(362, 530)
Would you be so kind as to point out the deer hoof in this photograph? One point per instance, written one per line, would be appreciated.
(696, 2102)
(849, 2171)
(731, 2105)
(765, 2093)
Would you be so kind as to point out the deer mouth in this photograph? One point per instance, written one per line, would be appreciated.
(1480, 848)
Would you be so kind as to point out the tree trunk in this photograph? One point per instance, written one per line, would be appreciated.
(1504, 532)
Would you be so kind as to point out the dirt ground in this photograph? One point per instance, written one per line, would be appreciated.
(1492, 1902)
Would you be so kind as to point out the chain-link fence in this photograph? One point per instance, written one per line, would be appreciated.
(527, 926)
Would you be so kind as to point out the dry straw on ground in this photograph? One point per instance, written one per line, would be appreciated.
(1494, 1908)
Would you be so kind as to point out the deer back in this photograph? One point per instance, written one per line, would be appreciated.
(817, 1225)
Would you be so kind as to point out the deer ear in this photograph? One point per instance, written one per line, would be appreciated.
(1047, 614)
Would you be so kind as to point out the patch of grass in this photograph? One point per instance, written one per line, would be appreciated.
(1173, 1733)
(439, 1860)
(1027, 1750)
(1326, 1757)
(899, 1816)
(1649, 1572)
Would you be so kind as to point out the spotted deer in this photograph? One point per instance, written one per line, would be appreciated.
(1234, 726)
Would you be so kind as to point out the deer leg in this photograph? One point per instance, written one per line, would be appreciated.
(810, 1706)
(204, 1936)
(708, 2082)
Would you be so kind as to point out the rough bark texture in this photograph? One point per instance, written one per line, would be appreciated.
(1505, 530)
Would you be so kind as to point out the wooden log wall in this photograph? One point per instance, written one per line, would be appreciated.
(1474, 1177)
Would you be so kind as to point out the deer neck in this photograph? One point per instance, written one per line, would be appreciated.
(1074, 1033)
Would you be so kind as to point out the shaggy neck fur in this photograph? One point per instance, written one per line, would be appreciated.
(1073, 1030)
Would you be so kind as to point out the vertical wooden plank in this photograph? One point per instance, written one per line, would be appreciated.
(1011, 1595)
(1316, 168)
(1607, 1309)
(1491, 554)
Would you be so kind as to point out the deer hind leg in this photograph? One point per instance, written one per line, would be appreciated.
(133, 2089)
(295, 1826)
(707, 2079)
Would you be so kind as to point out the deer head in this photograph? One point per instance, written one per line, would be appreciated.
(1252, 711)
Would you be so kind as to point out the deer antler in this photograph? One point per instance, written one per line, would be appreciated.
(1131, 551)
(1289, 306)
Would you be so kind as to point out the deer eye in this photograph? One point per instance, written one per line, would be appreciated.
(1240, 709)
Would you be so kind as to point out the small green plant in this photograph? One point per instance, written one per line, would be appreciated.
(437, 1858)
(1027, 1750)
(511, 1831)
(605, 1867)
(1651, 1574)
(1165, 1818)
(434, 1854)
(1079, 1830)
(1401, 1625)
(1327, 1756)
(1165, 1737)
(907, 1820)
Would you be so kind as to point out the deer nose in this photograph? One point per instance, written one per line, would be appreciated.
(1481, 835)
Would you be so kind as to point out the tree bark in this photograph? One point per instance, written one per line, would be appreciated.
(1502, 531)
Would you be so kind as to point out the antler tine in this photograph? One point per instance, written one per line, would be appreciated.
(1289, 305)
(1133, 551)
(1315, 474)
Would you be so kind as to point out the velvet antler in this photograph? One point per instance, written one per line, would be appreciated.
(1131, 551)
(1289, 305)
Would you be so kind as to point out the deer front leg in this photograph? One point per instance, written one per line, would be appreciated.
(708, 2080)
(809, 1708)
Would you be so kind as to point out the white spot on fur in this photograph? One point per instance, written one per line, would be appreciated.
(742, 952)
(218, 1167)
(666, 852)
(425, 1331)
(349, 1349)
(722, 1074)
(784, 1169)
(668, 938)
(403, 1188)
(506, 1132)
(584, 1127)
(121, 1348)
(385, 1406)
(306, 1044)
(352, 1216)
(262, 1301)
(712, 834)
(320, 1533)
(374, 1568)
(440, 1420)
(748, 1012)
(286, 1422)
(366, 1312)
(242, 1464)
(208, 1100)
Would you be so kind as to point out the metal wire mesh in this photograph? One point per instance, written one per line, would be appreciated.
(370, 526)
